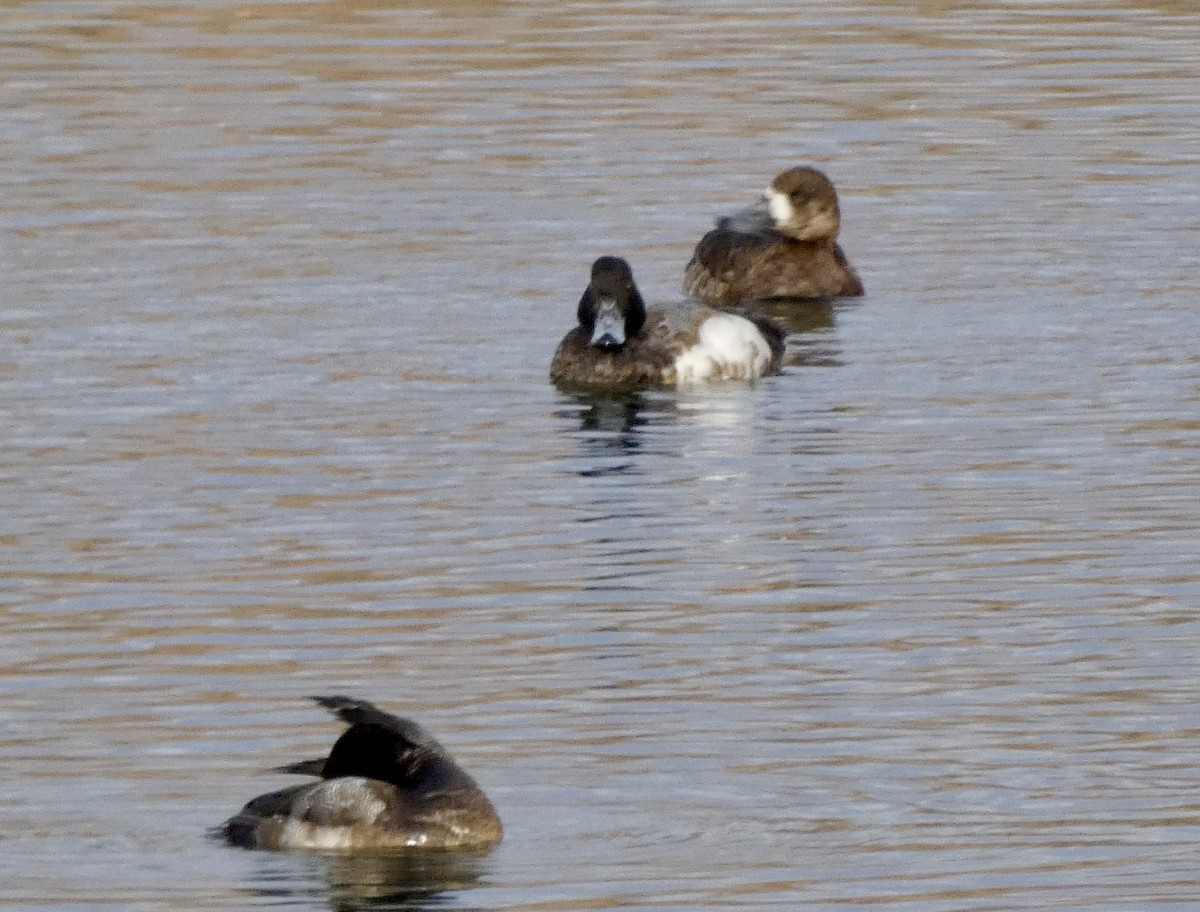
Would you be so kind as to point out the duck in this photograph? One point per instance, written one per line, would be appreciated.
(783, 246)
(386, 785)
(621, 344)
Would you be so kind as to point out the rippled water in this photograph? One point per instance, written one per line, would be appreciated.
(910, 627)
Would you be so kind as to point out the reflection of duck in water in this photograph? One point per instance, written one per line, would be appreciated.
(784, 246)
(608, 427)
(799, 315)
(386, 785)
(621, 344)
(395, 880)
(611, 425)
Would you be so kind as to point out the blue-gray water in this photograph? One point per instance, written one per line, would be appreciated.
(910, 627)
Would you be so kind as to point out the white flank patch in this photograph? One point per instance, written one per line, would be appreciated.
(730, 348)
(781, 207)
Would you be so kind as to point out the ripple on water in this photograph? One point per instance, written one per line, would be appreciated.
(907, 626)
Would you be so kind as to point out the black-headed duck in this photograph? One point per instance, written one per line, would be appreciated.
(386, 785)
(784, 246)
(620, 343)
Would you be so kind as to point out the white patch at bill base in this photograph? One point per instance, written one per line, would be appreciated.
(780, 206)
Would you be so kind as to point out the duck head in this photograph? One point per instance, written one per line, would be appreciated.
(611, 309)
(804, 205)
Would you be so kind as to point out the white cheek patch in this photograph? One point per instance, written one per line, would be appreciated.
(780, 207)
(729, 348)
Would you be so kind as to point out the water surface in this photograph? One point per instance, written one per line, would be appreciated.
(911, 626)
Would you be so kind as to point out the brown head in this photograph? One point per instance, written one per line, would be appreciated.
(803, 205)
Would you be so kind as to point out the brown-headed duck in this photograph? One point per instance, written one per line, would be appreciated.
(784, 246)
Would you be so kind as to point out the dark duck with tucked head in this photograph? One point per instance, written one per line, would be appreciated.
(784, 246)
(386, 785)
(620, 343)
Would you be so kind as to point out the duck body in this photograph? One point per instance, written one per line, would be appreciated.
(622, 344)
(783, 246)
(731, 268)
(386, 785)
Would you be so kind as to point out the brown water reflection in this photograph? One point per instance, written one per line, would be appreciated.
(908, 627)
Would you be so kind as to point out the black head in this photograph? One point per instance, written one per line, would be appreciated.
(611, 309)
